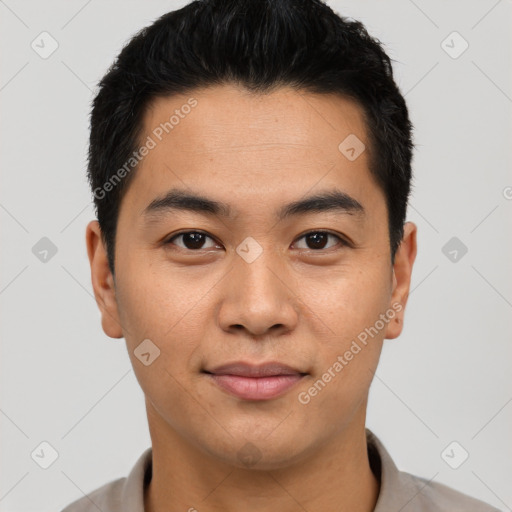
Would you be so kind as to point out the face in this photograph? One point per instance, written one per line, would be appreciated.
(250, 279)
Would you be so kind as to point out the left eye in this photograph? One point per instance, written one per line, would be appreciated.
(318, 239)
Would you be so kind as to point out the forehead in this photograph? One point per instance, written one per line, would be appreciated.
(226, 115)
(246, 146)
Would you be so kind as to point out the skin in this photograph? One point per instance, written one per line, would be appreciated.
(294, 304)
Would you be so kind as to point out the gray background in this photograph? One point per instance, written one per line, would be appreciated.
(447, 378)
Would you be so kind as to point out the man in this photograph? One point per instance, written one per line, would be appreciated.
(251, 163)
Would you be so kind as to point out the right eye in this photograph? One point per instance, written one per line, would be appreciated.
(191, 240)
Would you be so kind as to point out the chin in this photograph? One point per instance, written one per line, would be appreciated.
(262, 453)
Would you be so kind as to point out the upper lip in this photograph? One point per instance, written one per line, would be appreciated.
(243, 369)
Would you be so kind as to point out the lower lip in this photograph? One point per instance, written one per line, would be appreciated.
(256, 388)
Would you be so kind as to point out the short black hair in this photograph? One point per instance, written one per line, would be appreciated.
(261, 45)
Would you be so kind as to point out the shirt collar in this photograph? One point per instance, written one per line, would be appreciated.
(132, 495)
(392, 487)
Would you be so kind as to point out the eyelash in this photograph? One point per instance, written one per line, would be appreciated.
(341, 241)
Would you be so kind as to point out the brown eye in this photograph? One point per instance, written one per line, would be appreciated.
(318, 240)
(191, 240)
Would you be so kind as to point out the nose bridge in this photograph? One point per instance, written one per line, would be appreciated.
(256, 271)
(257, 295)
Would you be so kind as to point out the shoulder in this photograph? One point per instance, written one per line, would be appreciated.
(107, 497)
(429, 496)
(403, 491)
(122, 495)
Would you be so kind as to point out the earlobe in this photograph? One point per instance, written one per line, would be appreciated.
(402, 273)
(102, 281)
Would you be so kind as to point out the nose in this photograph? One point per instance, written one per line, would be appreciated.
(258, 298)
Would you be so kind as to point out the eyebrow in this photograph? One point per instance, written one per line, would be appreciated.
(328, 201)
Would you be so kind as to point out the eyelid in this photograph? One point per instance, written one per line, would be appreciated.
(168, 240)
(344, 242)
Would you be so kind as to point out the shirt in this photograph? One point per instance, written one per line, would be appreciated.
(399, 491)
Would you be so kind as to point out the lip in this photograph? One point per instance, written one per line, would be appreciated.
(255, 382)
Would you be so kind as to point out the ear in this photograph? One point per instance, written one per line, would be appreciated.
(402, 271)
(102, 281)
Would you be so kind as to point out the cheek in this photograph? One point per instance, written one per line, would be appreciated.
(163, 366)
(350, 308)
(157, 308)
(153, 301)
(348, 301)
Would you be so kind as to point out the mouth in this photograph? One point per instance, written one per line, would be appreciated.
(255, 382)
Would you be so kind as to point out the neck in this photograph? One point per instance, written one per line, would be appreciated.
(336, 478)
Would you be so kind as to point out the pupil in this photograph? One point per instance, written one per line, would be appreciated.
(193, 240)
(319, 240)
